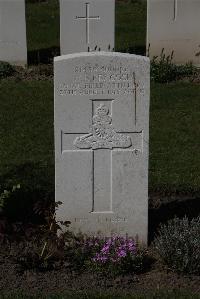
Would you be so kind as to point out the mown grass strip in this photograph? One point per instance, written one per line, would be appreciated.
(27, 131)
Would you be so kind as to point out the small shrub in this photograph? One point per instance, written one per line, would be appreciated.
(6, 69)
(178, 244)
(36, 192)
(6, 194)
(47, 249)
(5, 226)
(114, 256)
(163, 70)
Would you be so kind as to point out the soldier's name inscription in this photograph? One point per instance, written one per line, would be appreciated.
(95, 79)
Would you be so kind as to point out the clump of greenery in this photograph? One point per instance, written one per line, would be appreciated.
(5, 195)
(46, 250)
(163, 69)
(112, 256)
(6, 69)
(178, 244)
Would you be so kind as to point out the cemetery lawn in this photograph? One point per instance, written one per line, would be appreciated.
(27, 132)
(27, 158)
(130, 26)
(175, 137)
(43, 25)
(42, 21)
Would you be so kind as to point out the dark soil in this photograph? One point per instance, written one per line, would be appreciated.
(64, 278)
(162, 207)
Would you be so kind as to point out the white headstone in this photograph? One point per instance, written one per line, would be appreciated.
(86, 25)
(174, 25)
(13, 32)
(101, 142)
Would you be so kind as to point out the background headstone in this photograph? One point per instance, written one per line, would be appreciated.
(174, 25)
(86, 25)
(13, 46)
(101, 142)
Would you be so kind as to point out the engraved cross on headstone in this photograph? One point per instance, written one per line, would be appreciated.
(175, 9)
(87, 19)
(101, 142)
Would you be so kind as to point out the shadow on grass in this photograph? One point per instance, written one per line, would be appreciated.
(43, 56)
(36, 187)
(177, 207)
(137, 50)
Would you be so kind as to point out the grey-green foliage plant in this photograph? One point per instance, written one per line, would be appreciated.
(6, 69)
(164, 70)
(178, 244)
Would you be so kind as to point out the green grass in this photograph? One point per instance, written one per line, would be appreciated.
(107, 295)
(175, 136)
(27, 131)
(26, 123)
(43, 25)
(130, 25)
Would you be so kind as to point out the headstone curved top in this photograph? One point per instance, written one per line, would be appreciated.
(86, 25)
(101, 142)
(13, 47)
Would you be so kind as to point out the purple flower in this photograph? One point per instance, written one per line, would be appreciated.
(100, 258)
(131, 247)
(121, 253)
(111, 250)
(103, 259)
(105, 248)
(109, 241)
(97, 257)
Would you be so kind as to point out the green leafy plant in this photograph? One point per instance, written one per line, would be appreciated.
(163, 69)
(47, 250)
(6, 69)
(178, 244)
(5, 226)
(5, 195)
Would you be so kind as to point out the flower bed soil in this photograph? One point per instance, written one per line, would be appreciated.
(65, 279)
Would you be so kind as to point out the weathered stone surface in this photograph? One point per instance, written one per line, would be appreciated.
(13, 32)
(174, 25)
(101, 142)
(86, 26)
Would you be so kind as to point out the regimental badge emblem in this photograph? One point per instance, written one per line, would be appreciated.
(102, 135)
